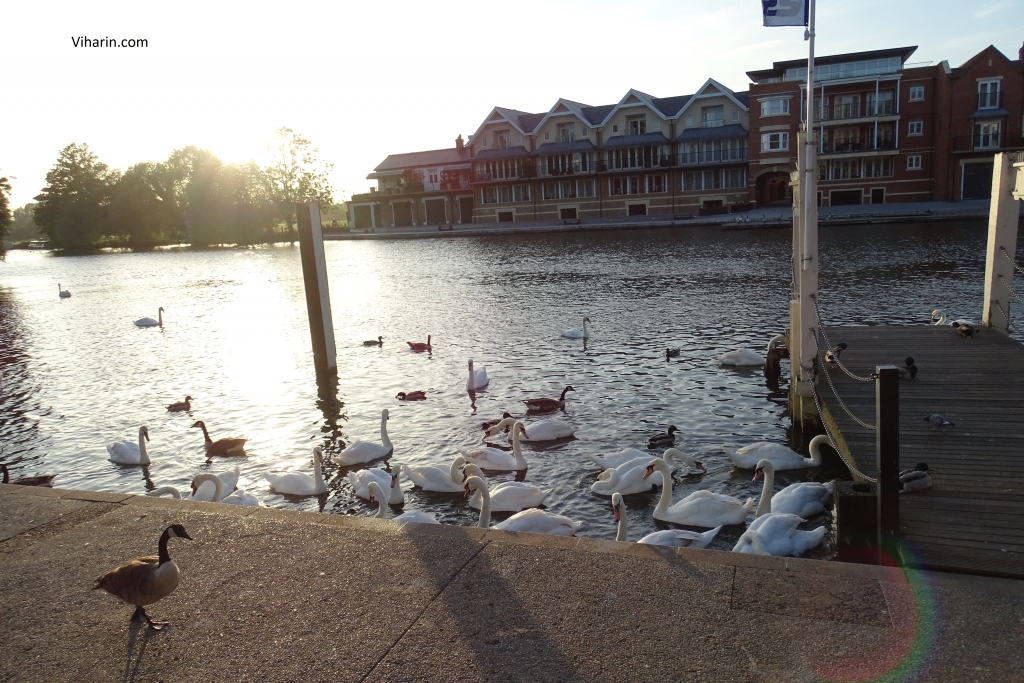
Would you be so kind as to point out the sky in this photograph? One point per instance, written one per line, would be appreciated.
(363, 80)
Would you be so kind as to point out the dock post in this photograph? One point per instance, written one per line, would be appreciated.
(803, 326)
(1004, 213)
(887, 419)
(314, 276)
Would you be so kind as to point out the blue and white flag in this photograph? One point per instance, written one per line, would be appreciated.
(785, 12)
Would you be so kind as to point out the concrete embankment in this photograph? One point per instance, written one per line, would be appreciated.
(274, 595)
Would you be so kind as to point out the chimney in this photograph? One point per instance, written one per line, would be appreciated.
(458, 142)
(1020, 53)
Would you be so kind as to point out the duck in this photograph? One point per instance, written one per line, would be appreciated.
(832, 356)
(361, 480)
(671, 537)
(749, 357)
(663, 439)
(782, 458)
(490, 423)
(672, 352)
(909, 370)
(376, 493)
(916, 479)
(128, 453)
(439, 479)
(542, 430)
(411, 396)
(149, 322)
(359, 452)
(477, 378)
(379, 341)
(777, 534)
(546, 405)
(803, 498)
(37, 480)
(420, 346)
(145, 580)
(299, 483)
(181, 406)
(532, 520)
(964, 329)
(700, 508)
(225, 447)
(63, 293)
(575, 333)
(630, 477)
(508, 496)
(497, 460)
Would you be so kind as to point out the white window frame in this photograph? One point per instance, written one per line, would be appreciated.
(585, 133)
(783, 141)
(766, 105)
(914, 162)
(615, 128)
(997, 84)
(916, 93)
(915, 128)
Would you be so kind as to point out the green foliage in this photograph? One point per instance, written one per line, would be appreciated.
(6, 217)
(295, 174)
(72, 209)
(24, 227)
(142, 211)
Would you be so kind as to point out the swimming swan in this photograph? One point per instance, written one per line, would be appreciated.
(419, 516)
(575, 333)
(631, 476)
(532, 520)
(777, 534)
(298, 483)
(803, 498)
(149, 322)
(700, 508)
(749, 357)
(434, 478)
(477, 378)
(63, 293)
(497, 460)
(128, 453)
(367, 451)
(542, 430)
(362, 479)
(782, 458)
(508, 496)
(671, 537)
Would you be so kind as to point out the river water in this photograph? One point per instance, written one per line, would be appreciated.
(78, 375)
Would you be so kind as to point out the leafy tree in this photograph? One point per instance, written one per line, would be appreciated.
(295, 174)
(6, 218)
(72, 209)
(24, 228)
(139, 210)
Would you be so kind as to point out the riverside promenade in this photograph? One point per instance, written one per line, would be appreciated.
(771, 217)
(274, 595)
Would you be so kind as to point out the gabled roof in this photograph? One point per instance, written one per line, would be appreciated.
(430, 157)
(512, 116)
(722, 90)
(970, 62)
(671, 106)
(562, 107)
(597, 115)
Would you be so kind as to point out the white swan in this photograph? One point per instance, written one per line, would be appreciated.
(149, 322)
(388, 480)
(700, 508)
(532, 520)
(165, 490)
(242, 497)
(782, 458)
(542, 430)
(434, 478)
(207, 487)
(616, 459)
(777, 534)
(749, 357)
(508, 496)
(631, 476)
(477, 378)
(671, 537)
(377, 493)
(128, 453)
(63, 293)
(298, 483)
(576, 333)
(803, 499)
(366, 451)
(497, 460)
(230, 479)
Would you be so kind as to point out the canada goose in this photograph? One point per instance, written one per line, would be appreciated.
(221, 446)
(490, 423)
(545, 405)
(377, 342)
(672, 353)
(181, 406)
(420, 346)
(145, 580)
(411, 396)
(38, 480)
(663, 439)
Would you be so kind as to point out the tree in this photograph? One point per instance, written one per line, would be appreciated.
(295, 174)
(72, 209)
(24, 228)
(6, 218)
(142, 210)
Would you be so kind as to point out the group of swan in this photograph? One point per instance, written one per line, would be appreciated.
(542, 430)
(749, 357)
(214, 488)
(630, 475)
(531, 520)
(670, 537)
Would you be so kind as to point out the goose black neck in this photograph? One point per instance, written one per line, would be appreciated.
(164, 555)
(7, 475)
(562, 397)
(206, 434)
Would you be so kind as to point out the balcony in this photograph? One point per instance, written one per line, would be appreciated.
(985, 140)
(878, 144)
(990, 100)
(851, 110)
(715, 156)
(712, 123)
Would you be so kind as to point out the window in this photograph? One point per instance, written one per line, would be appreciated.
(915, 128)
(914, 162)
(567, 189)
(656, 124)
(432, 176)
(586, 133)
(547, 135)
(559, 164)
(502, 139)
(774, 107)
(655, 183)
(774, 141)
(566, 132)
(734, 177)
(846, 106)
(988, 94)
(689, 121)
(620, 186)
(636, 125)
(615, 128)
(735, 115)
(585, 188)
(916, 93)
(712, 117)
(647, 156)
(986, 135)
(880, 104)
(878, 167)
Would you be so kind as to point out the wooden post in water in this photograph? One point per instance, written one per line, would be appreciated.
(887, 434)
(1003, 215)
(318, 295)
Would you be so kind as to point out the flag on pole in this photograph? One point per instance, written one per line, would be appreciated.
(785, 12)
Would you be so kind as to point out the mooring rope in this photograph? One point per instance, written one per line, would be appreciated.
(1012, 262)
(835, 356)
(1014, 294)
(852, 466)
(856, 419)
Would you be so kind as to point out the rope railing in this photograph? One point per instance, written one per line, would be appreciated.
(1012, 262)
(850, 465)
(835, 356)
(835, 393)
(1009, 288)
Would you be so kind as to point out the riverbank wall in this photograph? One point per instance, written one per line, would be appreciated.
(276, 595)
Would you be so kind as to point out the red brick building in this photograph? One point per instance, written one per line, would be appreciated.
(886, 131)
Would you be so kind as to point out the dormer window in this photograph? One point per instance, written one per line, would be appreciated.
(566, 132)
(502, 139)
(636, 125)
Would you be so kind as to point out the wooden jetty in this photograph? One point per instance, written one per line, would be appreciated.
(972, 519)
